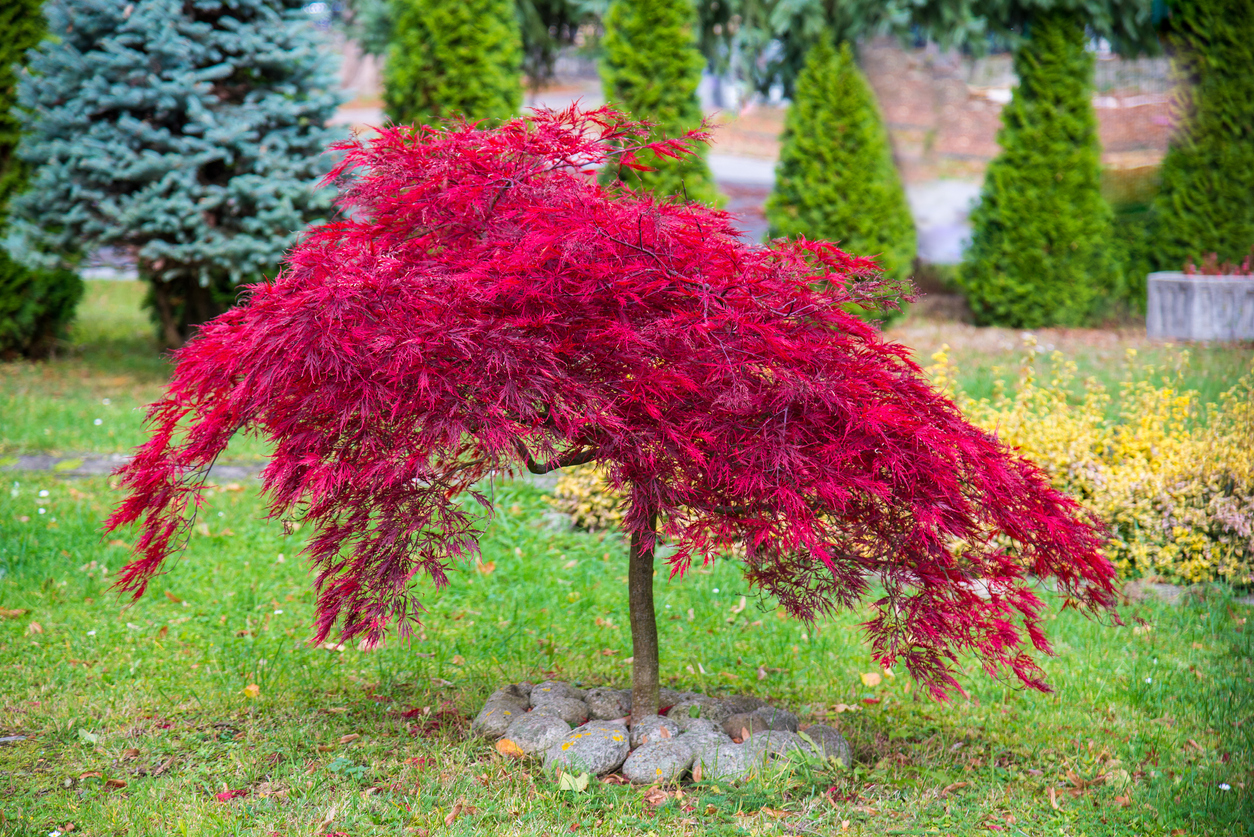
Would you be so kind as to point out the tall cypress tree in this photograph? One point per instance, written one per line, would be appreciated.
(836, 179)
(191, 134)
(1040, 249)
(35, 305)
(1207, 200)
(650, 69)
(453, 58)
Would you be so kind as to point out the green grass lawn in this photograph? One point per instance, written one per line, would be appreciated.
(141, 720)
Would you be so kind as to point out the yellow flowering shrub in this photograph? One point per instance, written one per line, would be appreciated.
(1173, 480)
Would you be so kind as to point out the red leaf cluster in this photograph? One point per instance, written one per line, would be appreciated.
(486, 307)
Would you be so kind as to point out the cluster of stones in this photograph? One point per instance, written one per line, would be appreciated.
(593, 731)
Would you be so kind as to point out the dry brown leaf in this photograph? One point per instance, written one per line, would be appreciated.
(163, 767)
(172, 597)
(352, 736)
(739, 607)
(655, 797)
(1123, 801)
(508, 748)
(34, 628)
(132, 753)
(252, 690)
(951, 788)
(761, 672)
(161, 634)
(90, 774)
(871, 678)
(115, 784)
(6, 613)
(776, 814)
(1053, 799)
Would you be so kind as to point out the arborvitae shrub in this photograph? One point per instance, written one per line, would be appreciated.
(191, 134)
(453, 58)
(650, 69)
(1040, 250)
(836, 178)
(35, 305)
(1207, 200)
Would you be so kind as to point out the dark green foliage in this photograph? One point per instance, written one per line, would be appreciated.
(453, 58)
(1040, 252)
(836, 179)
(1207, 200)
(651, 69)
(35, 305)
(190, 134)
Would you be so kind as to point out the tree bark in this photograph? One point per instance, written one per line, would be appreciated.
(644, 667)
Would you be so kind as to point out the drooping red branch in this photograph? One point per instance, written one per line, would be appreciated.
(488, 308)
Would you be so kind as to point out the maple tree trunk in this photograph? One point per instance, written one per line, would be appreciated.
(644, 666)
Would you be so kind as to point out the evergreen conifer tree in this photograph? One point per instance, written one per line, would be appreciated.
(1207, 200)
(650, 69)
(35, 305)
(191, 134)
(453, 58)
(1040, 250)
(836, 178)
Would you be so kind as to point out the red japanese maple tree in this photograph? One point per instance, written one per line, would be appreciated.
(488, 308)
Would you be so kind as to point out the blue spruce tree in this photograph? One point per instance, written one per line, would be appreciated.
(191, 134)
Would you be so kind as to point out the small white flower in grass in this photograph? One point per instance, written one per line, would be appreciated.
(1225, 787)
(43, 492)
(715, 589)
(278, 613)
(97, 422)
(43, 511)
(1149, 679)
(54, 834)
(91, 633)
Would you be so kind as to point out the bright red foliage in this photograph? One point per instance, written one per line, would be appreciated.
(488, 305)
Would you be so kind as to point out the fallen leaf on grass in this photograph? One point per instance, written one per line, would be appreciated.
(34, 628)
(163, 767)
(460, 808)
(6, 613)
(571, 782)
(115, 784)
(775, 813)
(132, 753)
(845, 707)
(871, 678)
(90, 774)
(1123, 801)
(252, 690)
(161, 634)
(508, 748)
(1053, 800)
(739, 606)
(172, 597)
(229, 794)
(951, 788)
(352, 736)
(656, 797)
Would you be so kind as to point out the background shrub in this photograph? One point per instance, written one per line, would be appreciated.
(35, 305)
(650, 69)
(836, 179)
(1206, 203)
(190, 134)
(1040, 250)
(453, 57)
(1173, 481)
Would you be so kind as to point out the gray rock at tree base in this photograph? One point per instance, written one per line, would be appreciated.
(595, 748)
(510, 694)
(831, 743)
(743, 704)
(535, 732)
(732, 762)
(652, 728)
(606, 704)
(662, 761)
(777, 718)
(495, 718)
(570, 710)
(704, 742)
(776, 743)
(707, 708)
(687, 723)
(525, 687)
(744, 724)
(552, 689)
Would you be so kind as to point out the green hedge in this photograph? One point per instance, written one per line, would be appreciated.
(650, 69)
(836, 179)
(1040, 253)
(453, 58)
(1206, 204)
